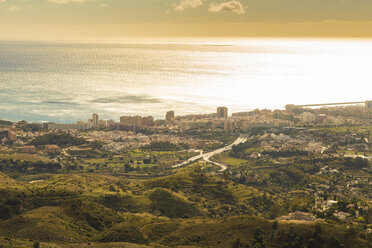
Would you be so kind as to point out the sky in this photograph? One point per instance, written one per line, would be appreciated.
(115, 19)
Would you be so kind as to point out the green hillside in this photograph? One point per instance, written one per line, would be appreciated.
(267, 198)
(172, 211)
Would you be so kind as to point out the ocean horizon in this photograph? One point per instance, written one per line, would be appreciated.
(65, 82)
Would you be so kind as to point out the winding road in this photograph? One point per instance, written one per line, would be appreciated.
(206, 156)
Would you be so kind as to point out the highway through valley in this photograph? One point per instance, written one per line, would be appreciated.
(206, 156)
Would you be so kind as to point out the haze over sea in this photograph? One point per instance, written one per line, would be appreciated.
(65, 82)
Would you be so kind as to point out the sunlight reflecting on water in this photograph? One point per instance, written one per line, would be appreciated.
(67, 81)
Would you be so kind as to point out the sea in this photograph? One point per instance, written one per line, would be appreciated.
(65, 82)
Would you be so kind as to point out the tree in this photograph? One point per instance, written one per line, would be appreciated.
(236, 243)
(127, 168)
(258, 241)
(147, 160)
(226, 176)
(199, 176)
(275, 225)
(36, 244)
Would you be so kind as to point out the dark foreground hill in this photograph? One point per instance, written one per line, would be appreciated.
(183, 210)
(54, 225)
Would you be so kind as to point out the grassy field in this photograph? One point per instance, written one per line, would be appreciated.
(226, 159)
(95, 161)
(24, 157)
(73, 210)
(348, 130)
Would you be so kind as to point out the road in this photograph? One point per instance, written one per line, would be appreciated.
(358, 156)
(206, 156)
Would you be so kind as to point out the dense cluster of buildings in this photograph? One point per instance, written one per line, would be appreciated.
(137, 120)
(118, 136)
(126, 123)
(294, 115)
(133, 123)
(116, 140)
(92, 123)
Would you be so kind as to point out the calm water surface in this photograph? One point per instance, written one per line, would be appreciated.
(66, 82)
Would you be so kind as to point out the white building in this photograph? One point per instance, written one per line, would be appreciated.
(95, 120)
(307, 117)
(78, 126)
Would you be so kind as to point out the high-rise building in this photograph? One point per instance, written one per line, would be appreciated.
(102, 124)
(95, 120)
(169, 116)
(12, 136)
(290, 107)
(110, 123)
(320, 118)
(307, 117)
(222, 112)
(127, 120)
(148, 121)
(137, 120)
(369, 104)
(46, 124)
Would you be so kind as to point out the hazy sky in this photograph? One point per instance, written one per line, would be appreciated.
(184, 18)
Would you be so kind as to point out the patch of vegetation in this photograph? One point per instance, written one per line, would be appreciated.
(164, 146)
(169, 204)
(286, 153)
(6, 123)
(62, 140)
(3, 134)
(239, 151)
(28, 167)
(356, 163)
(85, 153)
